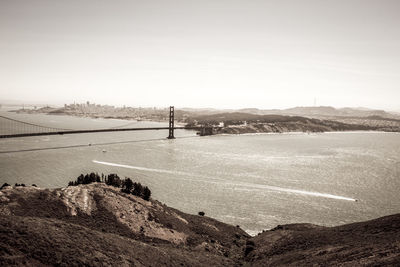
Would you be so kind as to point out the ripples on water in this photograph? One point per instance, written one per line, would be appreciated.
(255, 181)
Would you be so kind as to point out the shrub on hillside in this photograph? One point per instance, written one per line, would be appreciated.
(127, 185)
(85, 179)
(4, 185)
(114, 180)
(136, 189)
(146, 193)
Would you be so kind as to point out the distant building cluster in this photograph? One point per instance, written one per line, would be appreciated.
(107, 111)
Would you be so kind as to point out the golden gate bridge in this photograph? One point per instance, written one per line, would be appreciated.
(12, 128)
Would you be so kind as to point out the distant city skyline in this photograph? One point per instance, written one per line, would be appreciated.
(202, 54)
(29, 104)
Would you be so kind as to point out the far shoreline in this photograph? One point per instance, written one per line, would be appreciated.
(251, 130)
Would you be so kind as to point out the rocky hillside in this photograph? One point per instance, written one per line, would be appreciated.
(98, 225)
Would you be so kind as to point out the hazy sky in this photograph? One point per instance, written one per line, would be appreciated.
(204, 53)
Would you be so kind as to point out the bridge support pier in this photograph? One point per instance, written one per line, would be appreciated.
(171, 123)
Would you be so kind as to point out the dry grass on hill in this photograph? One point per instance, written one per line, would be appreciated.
(98, 225)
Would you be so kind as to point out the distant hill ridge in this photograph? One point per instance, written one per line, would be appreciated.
(303, 111)
(324, 111)
(105, 111)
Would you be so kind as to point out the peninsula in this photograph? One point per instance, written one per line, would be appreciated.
(238, 123)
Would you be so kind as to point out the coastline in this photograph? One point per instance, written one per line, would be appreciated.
(307, 133)
(250, 133)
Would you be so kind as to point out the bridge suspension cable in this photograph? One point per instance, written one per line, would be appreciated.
(10, 126)
(33, 124)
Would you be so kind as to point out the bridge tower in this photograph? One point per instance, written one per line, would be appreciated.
(171, 123)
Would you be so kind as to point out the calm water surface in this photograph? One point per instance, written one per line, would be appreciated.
(255, 181)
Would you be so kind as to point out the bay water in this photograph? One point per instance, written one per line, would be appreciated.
(256, 181)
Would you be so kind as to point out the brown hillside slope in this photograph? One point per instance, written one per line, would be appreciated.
(373, 243)
(33, 241)
(95, 213)
(97, 225)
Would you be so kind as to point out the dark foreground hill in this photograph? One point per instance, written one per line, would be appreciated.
(98, 225)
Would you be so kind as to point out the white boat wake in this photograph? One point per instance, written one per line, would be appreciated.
(249, 185)
(302, 192)
(139, 168)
